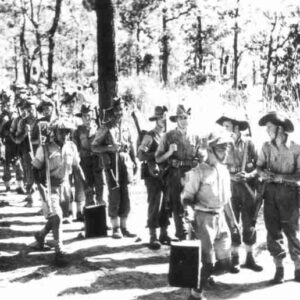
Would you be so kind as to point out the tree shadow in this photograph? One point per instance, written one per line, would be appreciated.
(21, 223)
(9, 215)
(120, 281)
(6, 232)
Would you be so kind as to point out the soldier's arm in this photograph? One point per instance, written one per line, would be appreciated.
(164, 151)
(76, 164)
(143, 153)
(98, 142)
(191, 187)
(21, 134)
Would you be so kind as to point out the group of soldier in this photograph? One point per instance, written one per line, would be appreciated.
(211, 186)
(214, 187)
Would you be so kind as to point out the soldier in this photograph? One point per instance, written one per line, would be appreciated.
(27, 150)
(179, 149)
(61, 157)
(157, 214)
(89, 161)
(207, 190)
(45, 108)
(113, 142)
(241, 162)
(278, 165)
(22, 113)
(11, 156)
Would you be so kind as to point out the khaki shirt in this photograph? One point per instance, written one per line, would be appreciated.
(83, 138)
(235, 156)
(187, 145)
(282, 160)
(61, 160)
(208, 187)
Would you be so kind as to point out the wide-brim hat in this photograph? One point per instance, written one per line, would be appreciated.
(68, 98)
(243, 125)
(219, 137)
(46, 102)
(29, 102)
(159, 112)
(181, 111)
(84, 110)
(278, 120)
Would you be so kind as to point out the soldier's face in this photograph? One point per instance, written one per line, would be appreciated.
(70, 106)
(228, 126)
(183, 122)
(62, 135)
(23, 113)
(161, 122)
(87, 119)
(47, 111)
(31, 110)
(220, 152)
(271, 130)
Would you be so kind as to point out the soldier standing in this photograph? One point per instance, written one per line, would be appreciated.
(279, 166)
(241, 162)
(27, 150)
(61, 156)
(89, 161)
(157, 214)
(179, 149)
(11, 156)
(114, 143)
(207, 190)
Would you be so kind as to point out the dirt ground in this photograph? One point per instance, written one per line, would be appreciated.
(104, 268)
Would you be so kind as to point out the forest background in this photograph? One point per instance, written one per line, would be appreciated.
(214, 55)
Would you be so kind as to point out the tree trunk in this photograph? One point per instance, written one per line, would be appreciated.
(235, 48)
(199, 43)
(222, 62)
(165, 50)
(253, 73)
(107, 64)
(51, 34)
(25, 55)
(15, 59)
(138, 55)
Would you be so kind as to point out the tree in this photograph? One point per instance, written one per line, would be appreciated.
(107, 67)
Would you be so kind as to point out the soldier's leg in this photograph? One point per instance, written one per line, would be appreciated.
(154, 195)
(249, 232)
(273, 224)
(177, 209)
(236, 203)
(79, 196)
(98, 182)
(289, 213)
(17, 166)
(6, 175)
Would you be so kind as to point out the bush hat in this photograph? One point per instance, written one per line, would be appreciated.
(68, 98)
(278, 120)
(62, 123)
(159, 112)
(243, 125)
(181, 111)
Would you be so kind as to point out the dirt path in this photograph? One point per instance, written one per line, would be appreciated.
(103, 268)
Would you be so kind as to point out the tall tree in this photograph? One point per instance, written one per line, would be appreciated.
(107, 66)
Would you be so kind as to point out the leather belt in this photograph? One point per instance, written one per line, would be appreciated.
(176, 163)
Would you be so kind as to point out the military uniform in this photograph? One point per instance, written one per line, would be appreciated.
(90, 163)
(119, 165)
(158, 215)
(181, 161)
(62, 160)
(281, 196)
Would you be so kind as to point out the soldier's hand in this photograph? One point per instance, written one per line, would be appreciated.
(172, 148)
(27, 128)
(277, 178)
(267, 175)
(143, 148)
(243, 176)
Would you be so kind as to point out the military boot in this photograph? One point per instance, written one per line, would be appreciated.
(164, 237)
(279, 276)
(251, 264)
(154, 244)
(40, 239)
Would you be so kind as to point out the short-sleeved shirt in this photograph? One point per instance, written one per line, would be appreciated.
(186, 145)
(61, 159)
(235, 156)
(284, 159)
(208, 186)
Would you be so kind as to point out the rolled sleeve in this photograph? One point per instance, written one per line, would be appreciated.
(262, 157)
(192, 184)
(39, 158)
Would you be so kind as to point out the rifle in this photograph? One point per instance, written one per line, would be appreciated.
(245, 157)
(154, 169)
(45, 193)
